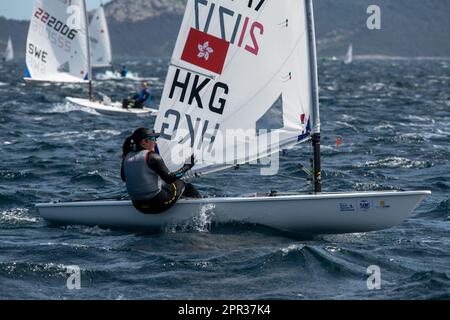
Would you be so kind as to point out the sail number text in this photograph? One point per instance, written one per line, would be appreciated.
(234, 27)
(55, 24)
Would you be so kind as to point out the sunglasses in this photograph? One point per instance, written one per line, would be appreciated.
(153, 139)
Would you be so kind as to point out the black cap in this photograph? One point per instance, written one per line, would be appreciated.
(144, 133)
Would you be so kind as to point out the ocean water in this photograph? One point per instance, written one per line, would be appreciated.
(393, 117)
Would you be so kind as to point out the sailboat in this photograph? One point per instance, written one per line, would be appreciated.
(248, 66)
(100, 43)
(9, 52)
(349, 56)
(101, 51)
(58, 51)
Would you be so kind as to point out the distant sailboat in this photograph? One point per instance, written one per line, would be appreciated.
(349, 56)
(100, 43)
(9, 52)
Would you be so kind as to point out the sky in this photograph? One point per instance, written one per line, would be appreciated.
(21, 9)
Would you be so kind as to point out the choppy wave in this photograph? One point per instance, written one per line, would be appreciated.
(396, 136)
(395, 162)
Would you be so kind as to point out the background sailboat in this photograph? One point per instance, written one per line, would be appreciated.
(101, 50)
(59, 52)
(100, 43)
(349, 56)
(9, 51)
(259, 77)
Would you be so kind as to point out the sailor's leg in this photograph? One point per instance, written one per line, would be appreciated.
(191, 192)
(162, 202)
(138, 104)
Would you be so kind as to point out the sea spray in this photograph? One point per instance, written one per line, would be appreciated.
(199, 223)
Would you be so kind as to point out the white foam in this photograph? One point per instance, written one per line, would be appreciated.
(94, 231)
(331, 249)
(200, 223)
(347, 125)
(393, 162)
(110, 75)
(292, 248)
(89, 135)
(384, 127)
(64, 108)
(17, 215)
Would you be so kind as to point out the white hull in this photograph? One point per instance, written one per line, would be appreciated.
(111, 108)
(304, 214)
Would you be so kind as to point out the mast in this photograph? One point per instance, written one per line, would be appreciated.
(90, 90)
(315, 97)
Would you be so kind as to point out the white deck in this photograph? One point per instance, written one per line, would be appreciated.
(113, 108)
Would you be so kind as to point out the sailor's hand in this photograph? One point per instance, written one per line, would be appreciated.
(191, 163)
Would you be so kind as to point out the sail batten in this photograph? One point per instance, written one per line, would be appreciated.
(57, 43)
(261, 64)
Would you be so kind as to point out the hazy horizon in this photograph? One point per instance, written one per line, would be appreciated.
(22, 9)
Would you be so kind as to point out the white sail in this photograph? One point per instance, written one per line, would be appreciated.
(242, 65)
(57, 44)
(349, 56)
(9, 52)
(101, 53)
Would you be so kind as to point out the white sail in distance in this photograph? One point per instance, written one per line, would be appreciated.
(9, 52)
(349, 56)
(238, 66)
(57, 44)
(100, 43)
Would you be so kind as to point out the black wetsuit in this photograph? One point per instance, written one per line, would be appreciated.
(170, 192)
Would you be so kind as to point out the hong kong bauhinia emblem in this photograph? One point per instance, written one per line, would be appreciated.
(205, 51)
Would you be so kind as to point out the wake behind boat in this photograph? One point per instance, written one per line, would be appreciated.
(110, 108)
(114, 75)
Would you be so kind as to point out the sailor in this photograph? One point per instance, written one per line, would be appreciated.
(150, 184)
(139, 100)
(124, 72)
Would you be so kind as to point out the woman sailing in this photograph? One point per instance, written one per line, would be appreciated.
(151, 186)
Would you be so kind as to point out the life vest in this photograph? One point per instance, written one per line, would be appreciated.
(143, 95)
(142, 182)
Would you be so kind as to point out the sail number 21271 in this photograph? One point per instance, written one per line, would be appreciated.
(234, 27)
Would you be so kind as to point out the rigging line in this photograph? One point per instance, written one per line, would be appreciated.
(173, 63)
(291, 177)
(219, 168)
